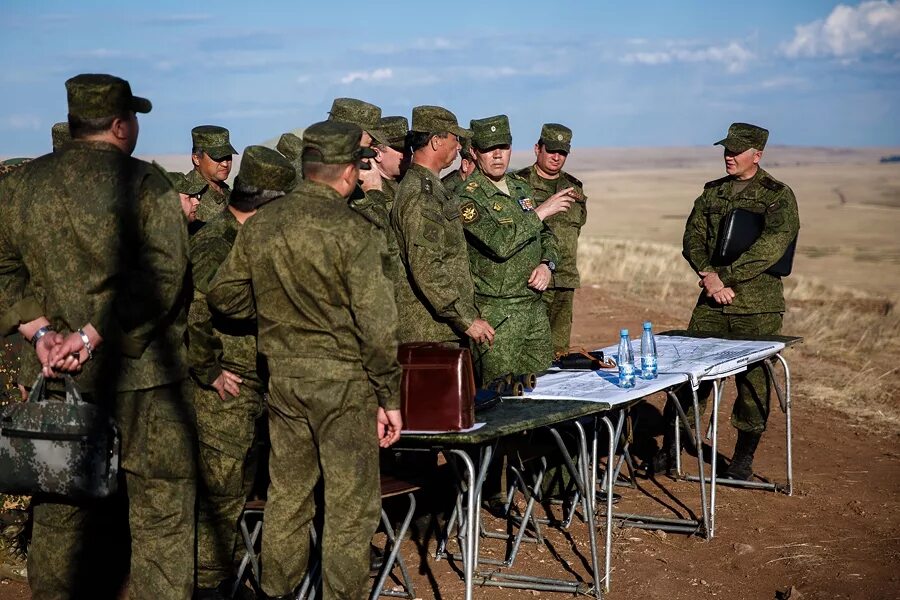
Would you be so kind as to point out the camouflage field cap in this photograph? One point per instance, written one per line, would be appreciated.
(490, 132)
(213, 140)
(184, 184)
(95, 96)
(395, 128)
(334, 143)
(360, 113)
(264, 169)
(743, 136)
(435, 119)
(60, 135)
(290, 146)
(556, 137)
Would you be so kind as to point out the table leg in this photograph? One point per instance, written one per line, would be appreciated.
(787, 403)
(472, 510)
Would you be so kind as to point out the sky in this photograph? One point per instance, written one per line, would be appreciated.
(649, 73)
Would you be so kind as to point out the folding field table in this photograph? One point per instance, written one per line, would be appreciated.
(716, 358)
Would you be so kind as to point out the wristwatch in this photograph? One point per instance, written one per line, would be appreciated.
(550, 265)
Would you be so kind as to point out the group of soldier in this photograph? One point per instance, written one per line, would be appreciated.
(191, 308)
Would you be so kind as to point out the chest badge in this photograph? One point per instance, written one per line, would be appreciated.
(526, 204)
(468, 213)
(498, 206)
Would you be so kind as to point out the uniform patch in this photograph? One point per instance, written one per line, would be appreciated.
(526, 204)
(468, 212)
(505, 220)
(771, 184)
(498, 206)
(471, 186)
(426, 186)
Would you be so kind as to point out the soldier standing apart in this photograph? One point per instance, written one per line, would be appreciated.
(211, 153)
(741, 298)
(436, 303)
(546, 177)
(453, 181)
(309, 269)
(229, 382)
(511, 254)
(104, 305)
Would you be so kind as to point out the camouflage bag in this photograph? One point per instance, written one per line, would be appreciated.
(68, 447)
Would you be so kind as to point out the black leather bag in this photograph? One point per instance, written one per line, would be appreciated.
(739, 229)
(67, 447)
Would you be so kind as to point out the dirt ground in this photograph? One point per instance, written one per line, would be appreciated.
(838, 536)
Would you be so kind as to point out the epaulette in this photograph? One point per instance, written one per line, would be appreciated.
(517, 176)
(771, 184)
(524, 173)
(230, 235)
(364, 215)
(716, 182)
(574, 180)
(427, 187)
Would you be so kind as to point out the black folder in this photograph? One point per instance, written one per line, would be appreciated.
(737, 232)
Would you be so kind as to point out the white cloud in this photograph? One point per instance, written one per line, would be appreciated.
(849, 32)
(374, 75)
(734, 56)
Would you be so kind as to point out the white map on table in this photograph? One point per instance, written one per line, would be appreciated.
(598, 386)
(703, 358)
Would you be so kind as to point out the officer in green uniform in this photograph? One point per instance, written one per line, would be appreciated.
(211, 154)
(546, 177)
(511, 254)
(229, 383)
(102, 303)
(436, 302)
(741, 298)
(453, 181)
(332, 357)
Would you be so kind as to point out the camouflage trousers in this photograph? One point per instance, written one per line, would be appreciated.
(226, 431)
(521, 343)
(81, 550)
(751, 409)
(321, 429)
(559, 303)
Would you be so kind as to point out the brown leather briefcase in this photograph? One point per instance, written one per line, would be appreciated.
(437, 392)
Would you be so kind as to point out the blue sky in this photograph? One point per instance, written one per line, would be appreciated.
(650, 73)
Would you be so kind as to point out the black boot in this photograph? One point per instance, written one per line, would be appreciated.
(741, 466)
(664, 459)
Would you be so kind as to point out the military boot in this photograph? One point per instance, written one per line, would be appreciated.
(665, 458)
(741, 466)
(13, 550)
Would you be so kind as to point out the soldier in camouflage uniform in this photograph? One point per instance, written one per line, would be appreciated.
(190, 190)
(103, 302)
(229, 381)
(332, 356)
(740, 298)
(211, 154)
(291, 147)
(436, 300)
(546, 177)
(14, 510)
(453, 181)
(511, 254)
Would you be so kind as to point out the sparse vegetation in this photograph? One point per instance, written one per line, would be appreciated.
(848, 360)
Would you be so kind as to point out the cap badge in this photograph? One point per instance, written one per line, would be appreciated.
(559, 138)
(493, 128)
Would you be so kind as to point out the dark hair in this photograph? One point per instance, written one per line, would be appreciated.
(248, 199)
(416, 140)
(80, 127)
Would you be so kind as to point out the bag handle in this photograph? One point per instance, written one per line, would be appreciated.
(39, 389)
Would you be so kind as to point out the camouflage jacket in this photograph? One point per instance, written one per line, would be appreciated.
(216, 342)
(507, 240)
(437, 303)
(566, 226)
(212, 202)
(375, 205)
(754, 290)
(91, 235)
(309, 269)
(452, 182)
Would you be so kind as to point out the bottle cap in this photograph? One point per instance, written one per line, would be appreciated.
(647, 325)
(623, 332)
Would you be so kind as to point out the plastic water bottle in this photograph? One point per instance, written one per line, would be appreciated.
(649, 361)
(626, 361)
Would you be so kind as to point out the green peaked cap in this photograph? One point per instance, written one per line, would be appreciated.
(556, 137)
(60, 135)
(95, 96)
(743, 136)
(490, 132)
(264, 169)
(213, 140)
(334, 142)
